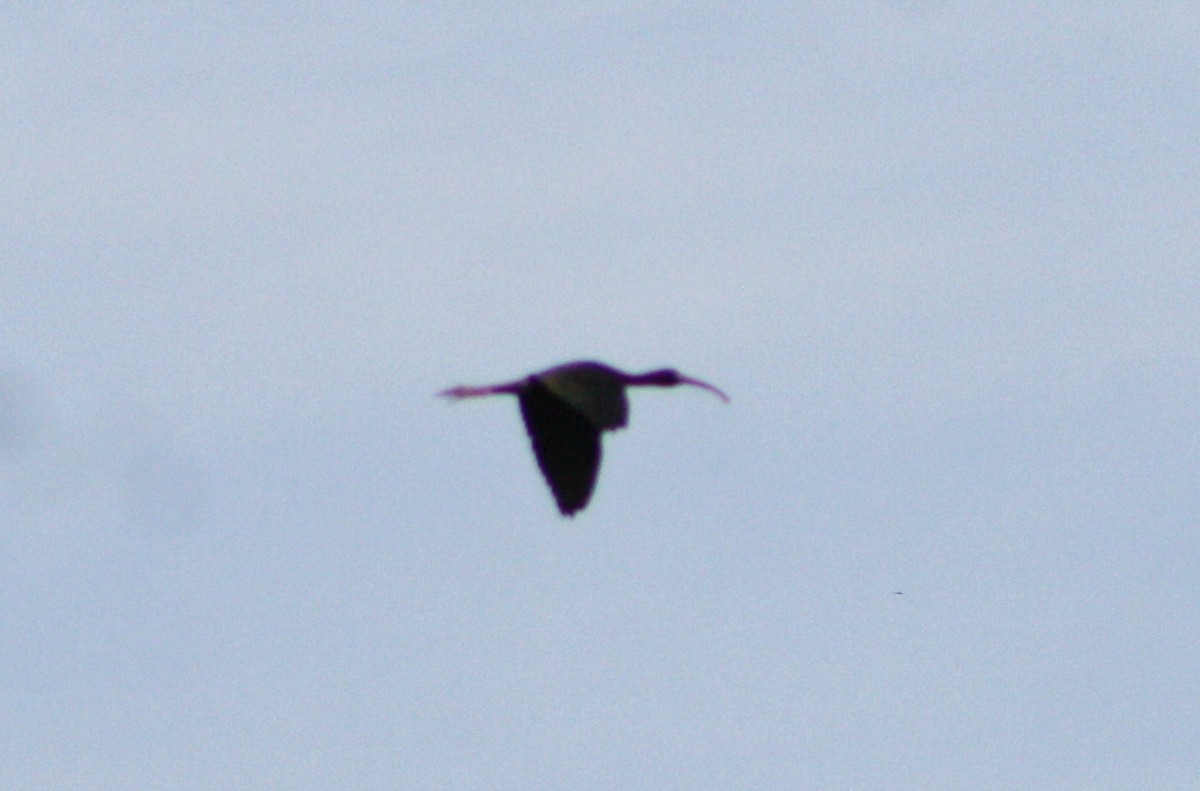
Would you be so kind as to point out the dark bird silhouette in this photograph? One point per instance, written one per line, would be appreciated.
(565, 409)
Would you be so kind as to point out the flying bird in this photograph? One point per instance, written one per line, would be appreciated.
(565, 409)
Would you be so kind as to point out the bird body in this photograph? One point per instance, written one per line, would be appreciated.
(565, 409)
(592, 388)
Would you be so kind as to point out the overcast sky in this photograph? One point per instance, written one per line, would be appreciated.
(942, 256)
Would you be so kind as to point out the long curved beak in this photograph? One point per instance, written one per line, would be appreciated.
(687, 380)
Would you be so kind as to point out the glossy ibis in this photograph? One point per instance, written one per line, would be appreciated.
(565, 409)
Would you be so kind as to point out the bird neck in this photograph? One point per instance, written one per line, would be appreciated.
(663, 377)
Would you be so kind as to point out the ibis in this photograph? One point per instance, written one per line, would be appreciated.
(565, 409)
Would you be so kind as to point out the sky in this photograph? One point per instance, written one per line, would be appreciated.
(941, 256)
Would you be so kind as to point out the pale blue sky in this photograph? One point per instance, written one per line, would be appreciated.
(941, 256)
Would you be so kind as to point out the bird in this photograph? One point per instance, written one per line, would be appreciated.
(565, 409)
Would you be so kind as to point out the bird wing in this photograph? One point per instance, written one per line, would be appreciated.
(566, 444)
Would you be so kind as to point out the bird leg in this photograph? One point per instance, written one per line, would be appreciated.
(460, 392)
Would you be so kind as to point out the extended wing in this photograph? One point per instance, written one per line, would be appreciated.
(566, 444)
